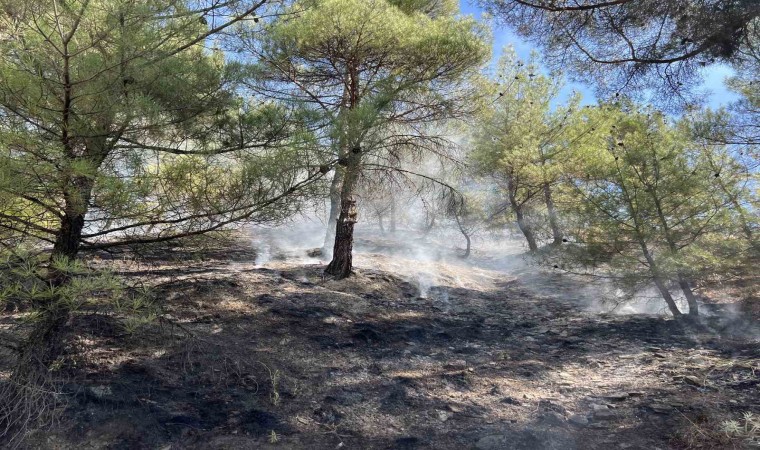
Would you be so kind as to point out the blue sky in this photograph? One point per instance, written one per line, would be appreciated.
(714, 77)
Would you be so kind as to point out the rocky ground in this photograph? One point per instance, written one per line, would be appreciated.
(412, 352)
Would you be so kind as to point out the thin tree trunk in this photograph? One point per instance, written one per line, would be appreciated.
(393, 214)
(683, 281)
(659, 282)
(466, 236)
(380, 222)
(428, 225)
(526, 229)
(653, 267)
(552, 212)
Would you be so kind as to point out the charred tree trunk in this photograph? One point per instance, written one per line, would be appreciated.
(341, 264)
(29, 396)
(332, 220)
(691, 299)
(44, 344)
(551, 211)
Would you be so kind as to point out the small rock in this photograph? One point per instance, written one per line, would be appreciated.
(443, 416)
(314, 252)
(604, 415)
(454, 408)
(617, 396)
(578, 420)
(598, 408)
(511, 401)
(694, 381)
(552, 418)
(660, 408)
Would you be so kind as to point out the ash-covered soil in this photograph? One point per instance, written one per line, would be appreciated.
(257, 353)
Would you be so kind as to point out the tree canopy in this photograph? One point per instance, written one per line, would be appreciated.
(631, 45)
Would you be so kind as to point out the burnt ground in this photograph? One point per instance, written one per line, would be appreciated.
(250, 357)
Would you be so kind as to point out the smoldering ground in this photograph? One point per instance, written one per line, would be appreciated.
(419, 349)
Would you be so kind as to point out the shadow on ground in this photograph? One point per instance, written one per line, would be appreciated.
(247, 357)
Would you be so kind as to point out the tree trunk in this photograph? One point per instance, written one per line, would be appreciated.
(466, 236)
(691, 299)
(428, 225)
(683, 281)
(552, 212)
(659, 282)
(672, 306)
(29, 396)
(342, 262)
(525, 228)
(332, 220)
(393, 215)
(44, 344)
(380, 222)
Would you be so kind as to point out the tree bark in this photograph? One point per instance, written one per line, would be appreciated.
(691, 299)
(466, 236)
(525, 228)
(659, 282)
(683, 281)
(45, 343)
(335, 188)
(341, 264)
(552, 212)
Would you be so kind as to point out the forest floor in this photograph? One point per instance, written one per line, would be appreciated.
(410, 353)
